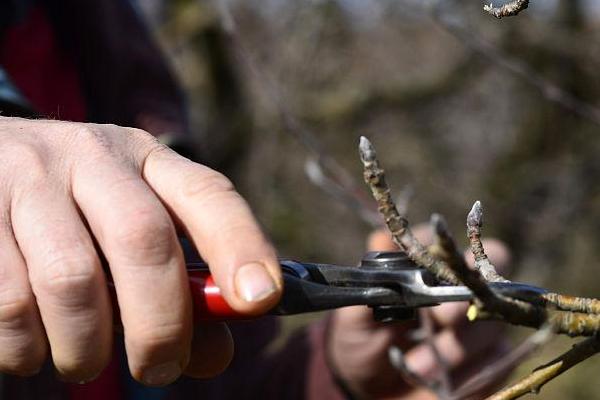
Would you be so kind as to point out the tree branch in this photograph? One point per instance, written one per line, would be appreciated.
(570, 303)
(503, 366)
(509, 9)
(445, 379)
(549, 90)
(343, 184)
(482, 262)
(402, 236)
(452, 268)
(542, 375)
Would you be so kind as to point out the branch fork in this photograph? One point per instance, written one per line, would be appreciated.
(551, 312)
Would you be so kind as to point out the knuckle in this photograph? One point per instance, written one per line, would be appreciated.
(24, 155)
(15, 306)
(142, 136)
(148, 237)
(85, 132)
(91, 137)
(21, 351)
(148, 339)
(70, 278)
(205, 186)
(148, 145)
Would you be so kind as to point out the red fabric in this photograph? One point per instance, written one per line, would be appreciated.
(105, 387)
(48, 79)
(50, 82)
(321, 384)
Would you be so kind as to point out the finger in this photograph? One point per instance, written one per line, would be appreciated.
(139, 242)
(205, 362)
(222, 227)
(23, 345)
(498, 253)
(455, 348)
(67, 280)
(450, 314)
(381, 239)
(356, 340)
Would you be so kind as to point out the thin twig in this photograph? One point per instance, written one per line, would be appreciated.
(542, 375)
(514, 311)
(482, 262)
(499, 369)
(549, 90)
(571, 303)
(563, 322)
(573, 323)
(319, 178)
(444, 246)
(492, 305)
(404, 198)
(452, 267)
(445, 381)
(402, 236)
(272, 91)
(509, 9)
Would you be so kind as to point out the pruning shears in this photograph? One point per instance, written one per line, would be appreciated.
(390, 283)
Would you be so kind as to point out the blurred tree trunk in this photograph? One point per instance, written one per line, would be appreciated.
(218, 104)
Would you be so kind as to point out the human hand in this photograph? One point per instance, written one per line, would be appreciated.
(70, 189)
(358, 346)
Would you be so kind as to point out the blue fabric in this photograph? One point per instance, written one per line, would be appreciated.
(132, 389)
(13, 10)
(8, 92)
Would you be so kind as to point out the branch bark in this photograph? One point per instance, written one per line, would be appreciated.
(398, 225)
(503, 366)
(551, 311)
(509, 9)
(542, 375)
(482, 262)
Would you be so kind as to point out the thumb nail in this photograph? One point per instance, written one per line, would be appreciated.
(254, 283)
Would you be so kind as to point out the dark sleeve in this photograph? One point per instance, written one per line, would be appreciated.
(125, 78)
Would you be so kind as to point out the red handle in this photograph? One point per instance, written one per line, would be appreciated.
(208, 303)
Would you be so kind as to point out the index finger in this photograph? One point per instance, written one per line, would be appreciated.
(221, 226)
